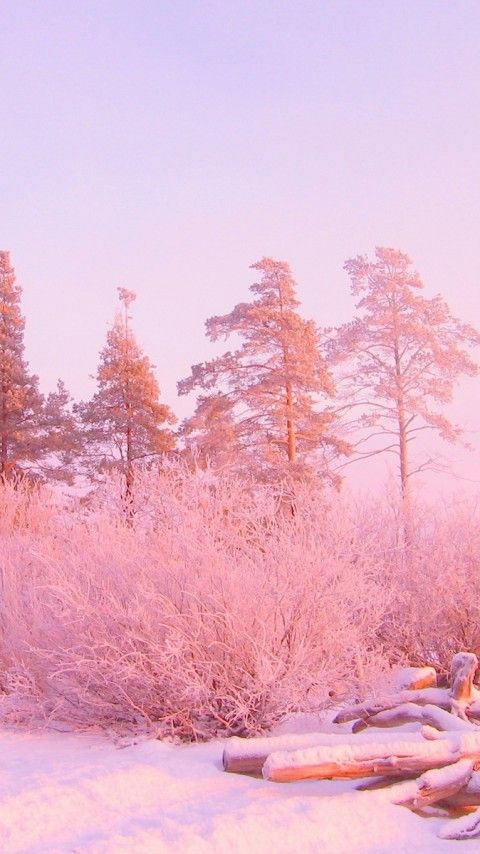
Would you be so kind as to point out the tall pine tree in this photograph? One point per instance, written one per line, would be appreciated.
(264, 407)
(37, 435)
(404, 354)
(124, 424)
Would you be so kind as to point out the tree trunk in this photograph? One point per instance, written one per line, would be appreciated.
(402, 433)
(403, 449)
(129, 476)
(429, 715)
(371, 759)
(425, 696)
(291, 435)
(4, 439)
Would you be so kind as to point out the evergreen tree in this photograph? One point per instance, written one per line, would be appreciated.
(124, 423)
(404, 354)
(259, 407)
(37, 435)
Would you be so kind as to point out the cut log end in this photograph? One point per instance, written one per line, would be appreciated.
(464, 667)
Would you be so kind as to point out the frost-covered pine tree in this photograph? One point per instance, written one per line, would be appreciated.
(124, 424)
(403, 355)
(263, 407)
(37, 434)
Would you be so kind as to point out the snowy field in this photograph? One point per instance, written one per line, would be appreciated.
(62, 792)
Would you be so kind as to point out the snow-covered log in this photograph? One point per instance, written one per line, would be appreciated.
(468, 796)
(387, 759)
(413, 678)
(426, 696)
(439, 773)
(473, 710)
(467, 827)
(461, 700)
(435, 785)
(412, 713)
(248, 755)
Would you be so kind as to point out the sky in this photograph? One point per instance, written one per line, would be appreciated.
(167, 146)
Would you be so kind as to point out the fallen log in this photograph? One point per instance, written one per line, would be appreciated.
(466, 796)
(248, 755)
(412, 678)
(435, 785)
(430, 715)
(368, 760)
(467, 827)
(461, 700)
(439, 773)
(473, 709)
(426, 696)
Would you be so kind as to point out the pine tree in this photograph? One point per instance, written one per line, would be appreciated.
(37, 436)
(258, 408)
(403, 354)
(124, 423)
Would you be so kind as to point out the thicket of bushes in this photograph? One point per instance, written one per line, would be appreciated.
(218, 610)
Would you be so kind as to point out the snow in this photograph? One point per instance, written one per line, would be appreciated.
(81, 794)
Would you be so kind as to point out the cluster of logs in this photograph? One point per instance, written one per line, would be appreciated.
(440, 770)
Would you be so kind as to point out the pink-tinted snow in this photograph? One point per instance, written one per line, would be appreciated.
(81, 793)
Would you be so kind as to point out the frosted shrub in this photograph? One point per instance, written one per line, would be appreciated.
(214, 612)
(217, 610)
(437, 590)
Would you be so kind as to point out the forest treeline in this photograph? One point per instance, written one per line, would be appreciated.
(290, 400)
(181, 603)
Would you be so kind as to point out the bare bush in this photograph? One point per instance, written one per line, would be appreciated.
(437, 588)
(216, 611)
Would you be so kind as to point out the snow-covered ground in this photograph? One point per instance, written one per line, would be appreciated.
(80, 793)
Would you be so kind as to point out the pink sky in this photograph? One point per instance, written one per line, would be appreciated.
(165, 146)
